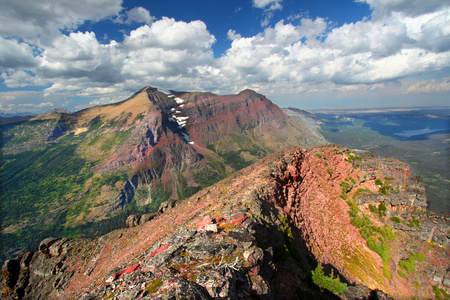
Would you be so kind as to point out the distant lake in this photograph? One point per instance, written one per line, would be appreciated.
(418, 137)
(401, 126)
(411, 133)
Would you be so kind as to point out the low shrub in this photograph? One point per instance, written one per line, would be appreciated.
(396, 220)
(402, 274)
(414, 222)
(331, 284)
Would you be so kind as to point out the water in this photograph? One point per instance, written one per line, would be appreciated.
(416, 132)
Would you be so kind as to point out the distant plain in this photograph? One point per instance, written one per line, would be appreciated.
(418, 136)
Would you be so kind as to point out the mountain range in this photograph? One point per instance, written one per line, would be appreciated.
(199, 196)
(83, 173)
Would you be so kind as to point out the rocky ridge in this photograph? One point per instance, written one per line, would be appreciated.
(258, 234)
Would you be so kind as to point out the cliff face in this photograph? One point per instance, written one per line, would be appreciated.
(258, 234)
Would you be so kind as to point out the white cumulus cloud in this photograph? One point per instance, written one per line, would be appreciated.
(45, 18)
(268, 4)
(297, 55)
(14, 54)
(432, 85)
(171, 34)
(136, 14)
(407, 7)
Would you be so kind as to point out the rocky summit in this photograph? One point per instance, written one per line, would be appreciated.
(321, 223)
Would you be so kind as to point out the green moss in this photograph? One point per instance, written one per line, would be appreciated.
(375, 236)
(345, 186)
(330, 172)
(409, 264)
(354, 208)
(440, 293)
(139, 117)
(386, 271)
(319, 155)
(419, 256)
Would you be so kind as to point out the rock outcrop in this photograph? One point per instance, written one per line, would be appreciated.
(257, 234)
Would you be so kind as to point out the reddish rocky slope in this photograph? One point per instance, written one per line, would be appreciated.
(258, 234)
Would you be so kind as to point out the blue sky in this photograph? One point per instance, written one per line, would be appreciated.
(305, 54)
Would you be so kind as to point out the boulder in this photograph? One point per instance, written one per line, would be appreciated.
(132, 220)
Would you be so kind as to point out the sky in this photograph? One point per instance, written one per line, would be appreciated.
(304, 54)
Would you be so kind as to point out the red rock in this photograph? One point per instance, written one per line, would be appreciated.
(219, 220)
(201, 225)
(128, 270)
(161, 249)
(131, 269)
(237, 219)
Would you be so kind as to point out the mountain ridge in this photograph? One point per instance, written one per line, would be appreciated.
(105, 162)
(259, 233)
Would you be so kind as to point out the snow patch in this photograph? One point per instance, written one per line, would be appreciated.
(181, 121)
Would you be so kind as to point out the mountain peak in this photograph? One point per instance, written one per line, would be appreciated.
(52, 112)
(248, 92)
(115, 159)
